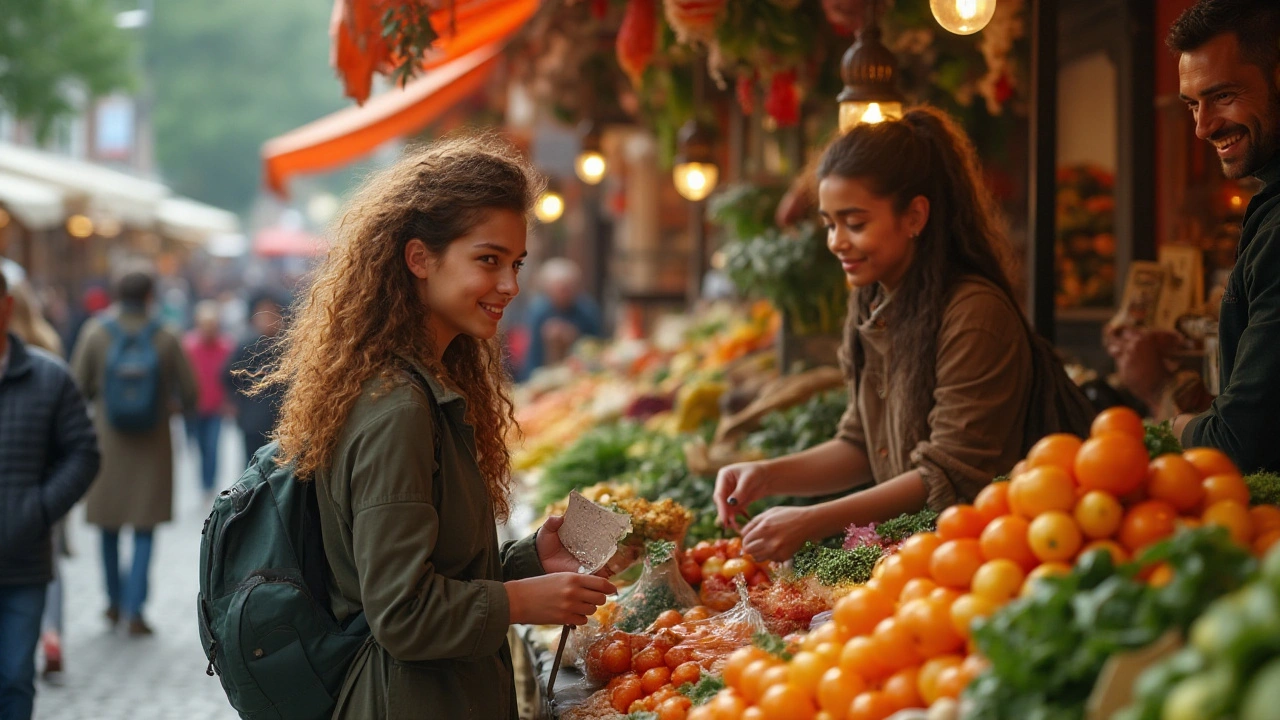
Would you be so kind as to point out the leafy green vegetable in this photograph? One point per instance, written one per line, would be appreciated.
(836, 566)
(801, 427)
(745, 210)
(705, 689)
(793, 270)
(599, 455)
(772, 644)
(659, 551)
(1048, 648)
(654, 601)
(906, 525)
(1264, 488)
(1160, 440)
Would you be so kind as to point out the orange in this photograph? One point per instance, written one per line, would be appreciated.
(1210, 461)
(901, 689)
(1098, 514)
(974, 665)
(787, 702)
(806, 669)
(1054, 536)
(1006, 537)
(829, 651)
(728, 704)
(1047, 570)
(1018, 468)
(952, 681)
(837, 689)
(916, 589)
(752, 674)
(1041, 490)
(955, 562)
(1234, 517)
(945, 595)
(998, 580)
(1146, 523)
(929, 624)
(927, 677)
(858, 612)
(893, 645)
(916, 550)
(870, 705)
(960, 521)
(1113, 461)
(776, 675)
(1118, 419)
(894, 573)
(1161, 575)
(1117, 552)
(1176, 481)
(1265, 518)
(970, 606)
(993, 501)
(859, 658)
(827, 632)
(1265, 541)
(738, 660)
(1227, 486)
(1057, 450)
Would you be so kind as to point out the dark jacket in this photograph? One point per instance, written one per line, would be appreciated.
(1244, 419)
(48, 458)
(257, 414)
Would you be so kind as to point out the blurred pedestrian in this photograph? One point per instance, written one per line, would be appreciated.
(559, 315)
(48, 458)
(208, 350)
(256, 414)
(132, 370)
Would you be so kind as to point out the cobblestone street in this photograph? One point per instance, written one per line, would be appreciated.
(111, 676)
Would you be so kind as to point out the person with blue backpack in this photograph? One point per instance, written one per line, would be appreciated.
(133, 372)
(395, 424)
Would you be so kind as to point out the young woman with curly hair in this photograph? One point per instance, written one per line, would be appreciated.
(396, 407)
(939, 361)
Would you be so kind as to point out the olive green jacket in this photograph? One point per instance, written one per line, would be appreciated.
(417, 551)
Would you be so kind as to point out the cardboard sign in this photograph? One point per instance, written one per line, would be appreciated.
(1183, 290)
(1142, 292)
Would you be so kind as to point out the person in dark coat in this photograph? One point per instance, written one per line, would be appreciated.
(256, 414)
(48, 458)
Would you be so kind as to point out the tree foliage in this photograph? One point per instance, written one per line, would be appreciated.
(49, 47)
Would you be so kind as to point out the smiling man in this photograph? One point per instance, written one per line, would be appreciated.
(1229, 77)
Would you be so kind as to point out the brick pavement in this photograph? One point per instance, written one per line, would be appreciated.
(111, 676)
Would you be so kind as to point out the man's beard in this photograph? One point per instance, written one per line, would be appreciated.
(1264, 141)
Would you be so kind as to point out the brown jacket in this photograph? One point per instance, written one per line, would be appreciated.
(135, 484)
(421, 559)
(974, 431)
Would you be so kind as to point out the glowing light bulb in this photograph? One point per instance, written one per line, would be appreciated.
(590, 167)
(873, 114)
(963, 17)
(549, 208)
(695, 181)
(79, 226)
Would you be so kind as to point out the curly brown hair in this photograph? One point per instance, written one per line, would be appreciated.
(436, 193)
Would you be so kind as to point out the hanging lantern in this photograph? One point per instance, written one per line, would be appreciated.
(963, 17)
(870, 72)
(590, 165)
(549, 208)
(637, 37)
(696, 173)
(79, 226)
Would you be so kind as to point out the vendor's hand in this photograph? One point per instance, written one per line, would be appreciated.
(744, 483)
(563, 598)
(777, 533)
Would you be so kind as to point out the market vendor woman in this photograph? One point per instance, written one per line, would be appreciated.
(396, 408)
(938, 358)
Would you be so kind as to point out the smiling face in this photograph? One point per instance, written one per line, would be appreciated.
(872, 241)
(467, 287)
(1235, 104)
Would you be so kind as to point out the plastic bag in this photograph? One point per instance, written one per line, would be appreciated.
(660, 588)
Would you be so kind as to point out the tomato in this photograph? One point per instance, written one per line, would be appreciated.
(668, 619)
(998, 580)
(929, 624)
(1210, 461)
(1265, 518)
(1145, 523)
(675, 708)
(714, 566)
(1265, 541)
(858, 612)
(1227, 486)
(787, 702)
(927, 678)
(625, 693)
(1041, 490)
(1054, 536)
(758, 578)
(733, 546)
(966, 608)
(993, 501)
(870, 705)
(1176, 481)
(616, 658)
(1098, 514)
(697, 612)
(691, 571)
(1006, 537)
(960, 521)
(837, 689)
(894, 646)
(1057, 450)
(1112, 461)
(1118, 419)
(655, 678)
(738, 660)
(916, 551)
(955, 562)
(1234, 517)
(738, 566)
(858, 658)
(702, 552)
(647, 659)
(686, 672)
(916, 589)
(1116, 550)
(901, 689)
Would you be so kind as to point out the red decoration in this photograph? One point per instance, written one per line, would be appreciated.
(1004, 89)
(599, 9)
(694, 20)
(636, 38)
(783, 102)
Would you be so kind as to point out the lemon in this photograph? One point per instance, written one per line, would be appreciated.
(1262, 696)
(1204, 696)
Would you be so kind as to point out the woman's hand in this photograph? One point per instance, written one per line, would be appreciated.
(737, 486)
(777, 533)
(551, 552)
(563, 598)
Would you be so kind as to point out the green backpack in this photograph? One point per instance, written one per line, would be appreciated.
(263, 606)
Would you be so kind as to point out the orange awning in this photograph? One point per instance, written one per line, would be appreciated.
(342, 137)
(359, 49)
